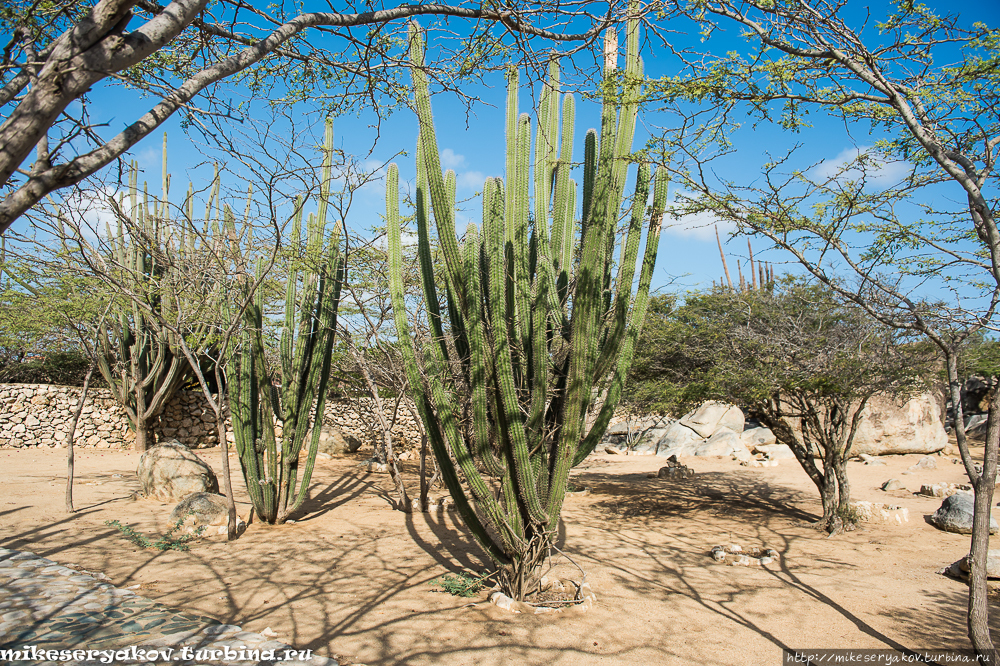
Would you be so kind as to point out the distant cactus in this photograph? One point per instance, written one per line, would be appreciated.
(316, 269)
(139, 358)
(540, 314)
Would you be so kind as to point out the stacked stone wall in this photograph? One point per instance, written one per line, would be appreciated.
(39, 415)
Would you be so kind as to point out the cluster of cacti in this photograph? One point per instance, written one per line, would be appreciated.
(538, 312)
(316, 270)
(762, 270)
(138, 355)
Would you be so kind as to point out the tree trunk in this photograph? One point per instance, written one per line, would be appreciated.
(978, 619)
(70, 437)
(145, 438)
(220, 427)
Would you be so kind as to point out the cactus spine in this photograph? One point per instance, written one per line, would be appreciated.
(531, 349)
(316, 271)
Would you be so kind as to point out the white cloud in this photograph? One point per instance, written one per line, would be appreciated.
(696, 226)
(855, 162)
(451, 160)
(471, 180)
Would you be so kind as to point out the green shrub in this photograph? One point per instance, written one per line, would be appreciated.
(166, 542)
(464, 584)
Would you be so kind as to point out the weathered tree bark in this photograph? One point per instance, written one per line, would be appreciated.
(98, 48)
(220, 428)
(983, 486)
(70, 437)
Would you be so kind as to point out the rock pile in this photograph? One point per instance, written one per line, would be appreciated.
(38, 415)
(735, 555)
(875, 512)
(675, 470)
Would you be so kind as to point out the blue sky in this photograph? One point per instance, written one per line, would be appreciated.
(474, 148)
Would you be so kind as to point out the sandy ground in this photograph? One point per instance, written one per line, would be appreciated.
(351, 577)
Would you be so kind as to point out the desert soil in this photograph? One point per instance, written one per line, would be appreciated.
(351, 578)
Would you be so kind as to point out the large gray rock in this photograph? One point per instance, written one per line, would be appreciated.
(992, 564)
(648, 440)
(755, 437)
(678, 440)
(722, 443)
(170, 472)
(776, 451)
(955, 515)
(711, 416)
(334, 442)
(207, 510)
(890, 427)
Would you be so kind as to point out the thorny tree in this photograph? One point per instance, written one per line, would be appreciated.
(805, 365)
(925, 88)
(58, 55)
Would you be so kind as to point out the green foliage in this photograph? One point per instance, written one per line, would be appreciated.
(748, 347)
(166, 542)
(532, 314)
(59, 368)
(316, 272)
(464, 584)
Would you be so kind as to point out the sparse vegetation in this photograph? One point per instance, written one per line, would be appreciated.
(169, 541)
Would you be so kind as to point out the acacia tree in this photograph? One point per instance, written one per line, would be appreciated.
(801, 362)
(925, 87)
(57, 52)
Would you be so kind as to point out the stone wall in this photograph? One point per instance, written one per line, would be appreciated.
(39, 415)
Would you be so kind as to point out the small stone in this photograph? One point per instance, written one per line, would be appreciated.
(892, 484)
(927, 462)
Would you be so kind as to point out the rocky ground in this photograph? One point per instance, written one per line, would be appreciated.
(351, 578)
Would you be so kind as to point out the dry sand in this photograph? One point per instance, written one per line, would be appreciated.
(351, 577)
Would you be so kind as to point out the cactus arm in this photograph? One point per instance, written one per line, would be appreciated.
(588, 444)
(626, 273)
(337, 269)
(423, 402)
(443, 214)
(479, 360)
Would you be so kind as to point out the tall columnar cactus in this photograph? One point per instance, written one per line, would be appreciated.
(139, 358)
(540, 312)
(271, 461)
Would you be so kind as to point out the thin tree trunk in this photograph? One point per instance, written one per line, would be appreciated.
(72, 434)
(978, 619)
(403, 502)
(220, 427)
(425, 484)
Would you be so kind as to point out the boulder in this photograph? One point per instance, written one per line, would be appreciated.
(911, 427)
(875, 512)
(754, 437)
(776, 451)
(207, 510)
(678, 440)
(926, 462)
(742, 454)
(992, 564)
(892, 484)
(647, 441)
(711, 416)
(334, 442)
(170, 472)
(955, 515)
(722, 443)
